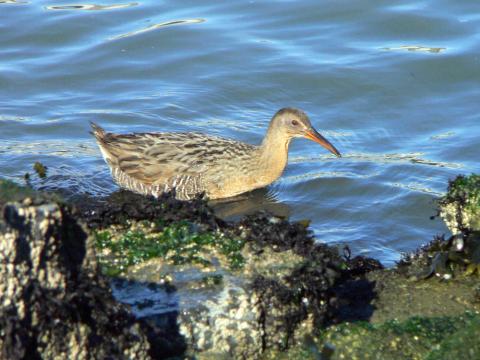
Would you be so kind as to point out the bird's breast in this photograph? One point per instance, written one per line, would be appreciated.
(242, 177)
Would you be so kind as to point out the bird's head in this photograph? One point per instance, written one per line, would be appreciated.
(295, 123)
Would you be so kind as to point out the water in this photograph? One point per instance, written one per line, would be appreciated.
(395, 86)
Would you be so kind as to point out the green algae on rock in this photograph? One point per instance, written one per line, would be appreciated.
(463, 344)
(415, 338)
(419, 338)
(176, 244)
(10, 191)
(460, 207)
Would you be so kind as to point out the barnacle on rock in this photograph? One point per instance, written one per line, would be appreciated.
(460, 207)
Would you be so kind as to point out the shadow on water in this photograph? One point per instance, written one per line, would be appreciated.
(249, 203)
(157, 306)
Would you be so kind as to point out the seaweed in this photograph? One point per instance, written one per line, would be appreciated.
(40, 169)
(124, 206)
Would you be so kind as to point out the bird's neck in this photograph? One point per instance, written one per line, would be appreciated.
(273, 155)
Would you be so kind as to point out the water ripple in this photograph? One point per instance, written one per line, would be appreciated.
(157, 26)
(324, 174)
(444, 135)
(66, 149)
(417, 48)
(408, 157)
(414, 158)
(396, 84)
(418, 187)
(91, 6)
(5, 118)
(15, 2)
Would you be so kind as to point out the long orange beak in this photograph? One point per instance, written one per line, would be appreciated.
(314, 135)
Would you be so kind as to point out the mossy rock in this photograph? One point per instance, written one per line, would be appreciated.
(463, 344)
(10, 191)
(439, 338)
(460, 207)
(416, 338)
(13, 192)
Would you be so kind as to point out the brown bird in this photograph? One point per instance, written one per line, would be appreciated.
(192, 163)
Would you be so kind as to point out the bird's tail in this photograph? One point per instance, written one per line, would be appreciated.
(97, 131)
(102, 140)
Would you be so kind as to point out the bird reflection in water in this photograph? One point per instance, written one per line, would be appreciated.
(248, 203)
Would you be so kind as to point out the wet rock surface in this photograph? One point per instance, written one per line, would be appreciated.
(53, 302)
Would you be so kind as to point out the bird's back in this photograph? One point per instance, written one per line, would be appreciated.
(151, 163)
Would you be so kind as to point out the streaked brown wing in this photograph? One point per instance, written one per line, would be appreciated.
(157, 158)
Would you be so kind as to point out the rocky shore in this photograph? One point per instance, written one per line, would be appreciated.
(136, 278)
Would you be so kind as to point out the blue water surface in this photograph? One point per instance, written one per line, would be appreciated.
(394, 85)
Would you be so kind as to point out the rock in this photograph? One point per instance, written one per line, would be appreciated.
(460, 207)
(53, 303)
(124, 206)
(10, 191)
(459, 253)
(283, 286)
(246, 290)
(225, 324)
(241, 288)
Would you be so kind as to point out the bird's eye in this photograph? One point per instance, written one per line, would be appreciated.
(294, 122)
